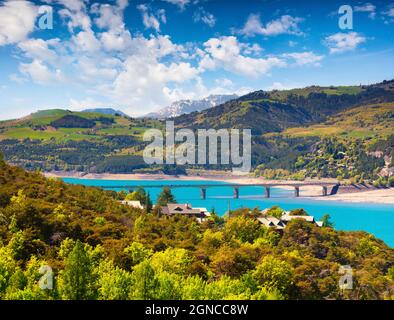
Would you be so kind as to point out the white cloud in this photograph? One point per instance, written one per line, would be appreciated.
(17, 78)
(73, 5)
(39, 49)
(225, 52)
(224, 82)
(151, 20)
(17, 20)
(39, 72)
(110, 17)
(101, 58)
(388, 14)
(226, 86)
(251, 49)
(98, 70)
(284, 25)
(180, 3)
(116, 40)
(85, 104)
(367, 7)
(86, 41)
(201, 15)
(74, 13)
(342, 42)
(278, 86)
(292, 43)
(145, 82)
(305, 58)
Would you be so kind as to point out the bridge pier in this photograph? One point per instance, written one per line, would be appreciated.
(267, 191)
(203, 193)
(325, 191)
(236, 192)
(297, 191)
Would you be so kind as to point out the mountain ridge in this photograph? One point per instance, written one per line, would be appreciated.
(180, 107)
(273, 111)
(107, 111)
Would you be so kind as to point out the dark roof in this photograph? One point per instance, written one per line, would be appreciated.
(185, 208)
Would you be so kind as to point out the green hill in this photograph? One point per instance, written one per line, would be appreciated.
(65, 140)
(274, 111)
(367, 121)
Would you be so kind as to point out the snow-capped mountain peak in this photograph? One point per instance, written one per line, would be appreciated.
(180, 107)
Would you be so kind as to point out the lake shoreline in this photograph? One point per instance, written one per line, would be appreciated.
(224, 177)
(346, 194)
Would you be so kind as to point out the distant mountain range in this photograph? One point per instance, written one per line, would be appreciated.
(108, 111)
(188, 106)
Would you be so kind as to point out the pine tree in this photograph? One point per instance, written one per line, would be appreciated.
(165, 197)
(76, 280)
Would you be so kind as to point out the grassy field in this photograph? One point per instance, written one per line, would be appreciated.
(62, 134)
(372, 121)
(282, 95)
(37, 126)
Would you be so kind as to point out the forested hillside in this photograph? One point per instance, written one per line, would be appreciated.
(100, 249)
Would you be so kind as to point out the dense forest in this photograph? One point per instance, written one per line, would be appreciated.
(97, 248)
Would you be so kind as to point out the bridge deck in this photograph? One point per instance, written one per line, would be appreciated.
(228, 185)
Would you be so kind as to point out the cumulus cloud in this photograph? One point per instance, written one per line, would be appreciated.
(87, 103)
(86, 41)
(39, 48)
(151, 20)
(17, 20)
(388, 14)
(367, 7)
(278, 86)
(74, 14)
(200, 15)
(106, 61)
(342, 42)
(305, 58)
(144, 75)
(39, 72)
(284, 25)
(109, 16)
(225, 52)
(180, 3)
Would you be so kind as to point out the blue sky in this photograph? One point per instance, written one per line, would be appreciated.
(139, 56)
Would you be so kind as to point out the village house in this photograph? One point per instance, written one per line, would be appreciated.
(185, 209)
(133, 203)
(271, 222)
(280, 224)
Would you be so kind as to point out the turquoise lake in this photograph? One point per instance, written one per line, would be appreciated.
(377, 219)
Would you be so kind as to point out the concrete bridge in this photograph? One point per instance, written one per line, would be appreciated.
(203, 187)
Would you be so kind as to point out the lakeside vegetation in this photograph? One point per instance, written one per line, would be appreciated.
(101, 249)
